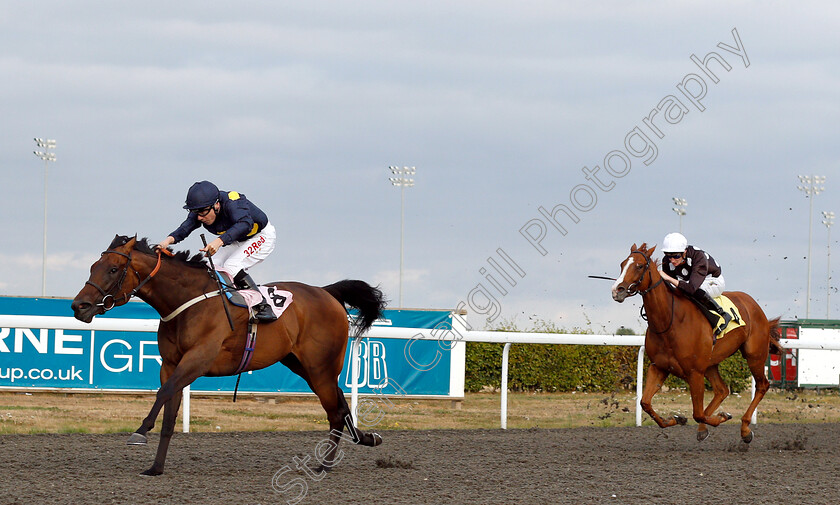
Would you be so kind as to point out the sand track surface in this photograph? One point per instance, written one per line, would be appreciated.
(785, 463)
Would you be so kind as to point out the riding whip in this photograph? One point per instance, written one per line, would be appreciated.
(219, 283)
(601, 277)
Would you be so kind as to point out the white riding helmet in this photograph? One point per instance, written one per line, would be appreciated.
(674, 243)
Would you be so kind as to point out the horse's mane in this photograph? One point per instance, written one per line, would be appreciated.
(142, 245)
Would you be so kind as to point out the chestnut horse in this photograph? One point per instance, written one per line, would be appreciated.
(310, 337)
(679, 341)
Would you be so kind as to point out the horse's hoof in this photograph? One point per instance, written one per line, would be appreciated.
(702, 435)
(747, 439)
(152, 472)
(137, 439)
(377, 440)
(726, 416)
(680, 420)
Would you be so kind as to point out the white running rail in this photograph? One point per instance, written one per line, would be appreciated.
(503, 337)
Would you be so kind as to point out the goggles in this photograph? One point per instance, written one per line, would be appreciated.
(203, 212)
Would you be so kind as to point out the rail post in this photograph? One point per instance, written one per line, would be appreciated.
(505, 354)
(640, 382)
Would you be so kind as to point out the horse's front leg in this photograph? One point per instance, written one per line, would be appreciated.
(139, 436)
(170, 414)
(653, 382)
(193, 365)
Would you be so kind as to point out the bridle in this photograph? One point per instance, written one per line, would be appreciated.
(109, 301)
(632, 289)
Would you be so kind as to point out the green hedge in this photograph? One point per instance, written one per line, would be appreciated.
(550, 368)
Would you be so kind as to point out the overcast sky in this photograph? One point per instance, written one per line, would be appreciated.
(302, 106)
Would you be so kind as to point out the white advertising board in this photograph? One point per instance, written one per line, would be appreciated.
(818, 367)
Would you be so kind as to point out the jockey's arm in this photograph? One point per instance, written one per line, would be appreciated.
(670, 280)
(168, 241)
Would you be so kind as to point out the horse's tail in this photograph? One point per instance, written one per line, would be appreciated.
(775, 335)
(359, 294)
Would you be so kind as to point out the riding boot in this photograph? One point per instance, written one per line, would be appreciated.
(262, 310)
(709, 303)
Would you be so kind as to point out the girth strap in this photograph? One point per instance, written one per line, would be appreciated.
(250, 344)
(188, 304)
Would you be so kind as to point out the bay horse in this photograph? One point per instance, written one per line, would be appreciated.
(679, 341)
(310, 338)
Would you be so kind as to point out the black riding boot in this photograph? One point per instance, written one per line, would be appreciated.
(262, 311)
(709, 303)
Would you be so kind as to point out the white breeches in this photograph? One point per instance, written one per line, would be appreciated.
(243, 255)
(713, 285)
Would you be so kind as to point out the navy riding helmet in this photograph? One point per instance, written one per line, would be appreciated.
(201, 194)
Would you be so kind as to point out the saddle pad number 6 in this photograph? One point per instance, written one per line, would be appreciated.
(277, 299)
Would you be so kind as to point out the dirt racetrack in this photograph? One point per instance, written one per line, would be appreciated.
(786, 463)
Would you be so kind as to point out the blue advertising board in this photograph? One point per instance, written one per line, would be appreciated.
(129, 361)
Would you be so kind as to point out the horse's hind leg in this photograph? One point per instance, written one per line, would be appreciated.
(721, 391)
(371, 439)
(653, 382)
(697, 388)
(338, 413)
(756, 364)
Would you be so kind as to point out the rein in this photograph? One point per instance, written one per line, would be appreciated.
(108, 301)
(632, 289)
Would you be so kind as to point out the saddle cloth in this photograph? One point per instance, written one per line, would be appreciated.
(727, 305)
(277, 299)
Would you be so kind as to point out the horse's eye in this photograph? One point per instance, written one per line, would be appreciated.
(113, 270)
(638, 266)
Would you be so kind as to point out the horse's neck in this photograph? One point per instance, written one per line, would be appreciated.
(173, 285)
(658, 302)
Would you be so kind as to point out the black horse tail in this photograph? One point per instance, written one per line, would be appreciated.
(367, 299)
(775, 335)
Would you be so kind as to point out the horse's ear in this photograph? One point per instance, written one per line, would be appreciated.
(633, 247)
(650, 251)
(643, 247)
(129, 245)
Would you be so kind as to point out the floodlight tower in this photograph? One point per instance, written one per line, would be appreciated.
(402, 180)
(828, 220)
(681, 204)
(811, 186)
(48, 145)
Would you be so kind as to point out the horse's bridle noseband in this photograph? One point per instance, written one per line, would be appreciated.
(108, 301)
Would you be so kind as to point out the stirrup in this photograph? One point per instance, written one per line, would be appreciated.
(263, 313)
(727, 318)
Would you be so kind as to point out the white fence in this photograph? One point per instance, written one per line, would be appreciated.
(507, 338)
